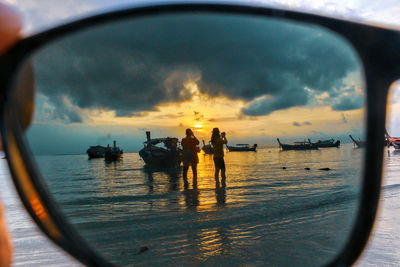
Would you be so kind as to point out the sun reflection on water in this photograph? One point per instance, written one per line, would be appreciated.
(262, 203)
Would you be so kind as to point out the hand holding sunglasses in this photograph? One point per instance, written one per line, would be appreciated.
(93, 111)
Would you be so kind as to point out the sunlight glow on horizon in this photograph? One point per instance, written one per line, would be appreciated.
(202, 113)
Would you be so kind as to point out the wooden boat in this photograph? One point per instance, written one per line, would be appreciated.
(358, 143)
(208, 149)
(170, 155)
(392, 141)
(327, 143)
(242, 148)
(387, 142)
(113, 153)
(395, 142)
(96, 152)
(298, 145)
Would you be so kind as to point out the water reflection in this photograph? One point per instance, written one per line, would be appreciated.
(186, 182)
(130, 206)
(220, 194)
(191, 198)
(172, 174)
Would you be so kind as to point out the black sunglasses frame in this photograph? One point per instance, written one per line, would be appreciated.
(378, 49)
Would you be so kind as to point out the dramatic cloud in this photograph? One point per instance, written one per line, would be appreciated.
(65, 112)
(348, 103)
(132, 67)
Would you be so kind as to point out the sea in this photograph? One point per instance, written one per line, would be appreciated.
(278, 208)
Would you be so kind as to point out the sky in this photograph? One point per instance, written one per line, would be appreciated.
(255, 79)
(40, 14)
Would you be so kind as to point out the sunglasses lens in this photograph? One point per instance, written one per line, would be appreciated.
(112, 105)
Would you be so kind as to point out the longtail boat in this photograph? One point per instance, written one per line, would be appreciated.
(327, 143)
(242, 148)
(113, 153)
(358, 143)
(96, 152)
(208, 149)
(298, 145)
(168, 155)
(392, 141)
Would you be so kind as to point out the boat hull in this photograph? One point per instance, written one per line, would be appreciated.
(395, 145)
(393, 141)
(299, 147)
(95, 155)
(325, 145)
(359, 144)
(160, 157)
(241, 149)
(208, 149)
(113, 156)
(95, 152)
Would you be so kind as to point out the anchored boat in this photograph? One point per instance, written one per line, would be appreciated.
(358, 143)
(113, 153)
(208, 149)
(96, 152)
(168, 155)
(298, 145)
(242, 147)
(327, 143)
(392, 141)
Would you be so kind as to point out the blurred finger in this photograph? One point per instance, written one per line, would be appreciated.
(10, 27)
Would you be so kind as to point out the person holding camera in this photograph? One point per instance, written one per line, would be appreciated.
(190, 158)
(218, 140)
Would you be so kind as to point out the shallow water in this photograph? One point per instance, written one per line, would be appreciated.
(32, 249)
(384, 246)
(265, 214)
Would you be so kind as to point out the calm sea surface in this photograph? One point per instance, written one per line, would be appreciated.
(266, 214)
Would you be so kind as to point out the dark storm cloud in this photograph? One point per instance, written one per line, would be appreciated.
(64, 111)
(348, 103)
(134, 66)
(284, 100)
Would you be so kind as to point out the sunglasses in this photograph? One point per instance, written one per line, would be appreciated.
(94, 115)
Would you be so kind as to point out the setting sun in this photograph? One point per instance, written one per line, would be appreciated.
(198, 127)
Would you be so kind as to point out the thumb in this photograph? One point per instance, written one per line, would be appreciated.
(10, 27)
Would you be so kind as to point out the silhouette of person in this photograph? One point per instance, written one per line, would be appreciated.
(190, 158)
(218, 140)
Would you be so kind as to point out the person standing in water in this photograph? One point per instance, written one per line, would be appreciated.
(218, 140)
(190, 158)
